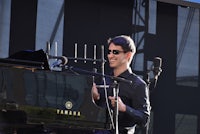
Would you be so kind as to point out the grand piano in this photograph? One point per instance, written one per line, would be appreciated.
(33, 95)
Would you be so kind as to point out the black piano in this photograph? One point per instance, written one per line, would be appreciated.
(32, 96)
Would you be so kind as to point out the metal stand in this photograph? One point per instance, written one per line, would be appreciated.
(116, 111)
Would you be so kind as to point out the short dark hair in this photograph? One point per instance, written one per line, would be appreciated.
(124, 41)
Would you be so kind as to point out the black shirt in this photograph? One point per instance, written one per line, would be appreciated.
(136, 98)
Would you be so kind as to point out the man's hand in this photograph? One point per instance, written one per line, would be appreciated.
(95, 93)
(121, 105)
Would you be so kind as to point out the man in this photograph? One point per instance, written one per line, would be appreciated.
(133, 99)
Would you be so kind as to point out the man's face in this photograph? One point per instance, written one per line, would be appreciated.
(116, 56)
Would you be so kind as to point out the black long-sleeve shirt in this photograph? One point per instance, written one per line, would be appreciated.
(136, 98)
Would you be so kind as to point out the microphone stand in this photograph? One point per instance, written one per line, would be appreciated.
(119, 79)
(116, 111)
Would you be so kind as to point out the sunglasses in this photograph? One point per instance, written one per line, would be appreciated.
(115, 52)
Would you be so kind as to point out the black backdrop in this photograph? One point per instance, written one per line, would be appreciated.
(23, 25)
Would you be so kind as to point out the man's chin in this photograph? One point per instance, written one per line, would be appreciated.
(112, 65)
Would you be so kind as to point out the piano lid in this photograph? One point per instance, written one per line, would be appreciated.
(27, 58)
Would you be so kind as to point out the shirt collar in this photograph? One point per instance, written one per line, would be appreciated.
(126, 73)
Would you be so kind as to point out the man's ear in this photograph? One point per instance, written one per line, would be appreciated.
(128, 55)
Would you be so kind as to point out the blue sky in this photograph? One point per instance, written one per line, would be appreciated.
(196, 1)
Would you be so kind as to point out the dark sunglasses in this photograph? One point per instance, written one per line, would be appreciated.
(115, 52)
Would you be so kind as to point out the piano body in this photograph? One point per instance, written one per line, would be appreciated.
(31, 95)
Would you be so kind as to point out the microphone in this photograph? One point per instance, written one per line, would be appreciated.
(61, 60)
(157, 63)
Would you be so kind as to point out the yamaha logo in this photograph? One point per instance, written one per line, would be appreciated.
(68, 112)
(68, 105)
